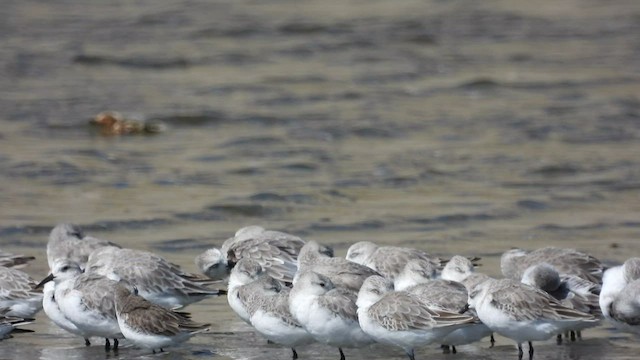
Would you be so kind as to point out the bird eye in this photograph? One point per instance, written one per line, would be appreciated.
(214, 266)
(322, 284)
(64, 268)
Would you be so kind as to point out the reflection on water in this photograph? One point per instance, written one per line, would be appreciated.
(452, 126)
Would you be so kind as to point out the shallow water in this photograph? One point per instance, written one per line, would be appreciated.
(452, 126)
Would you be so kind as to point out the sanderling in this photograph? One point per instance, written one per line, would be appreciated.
(245, 272)
(514, 262)
(18, 293)
(276, 251)
(399, 318)
(156, 279)
(328, 313)
(342, 272)
(415, 272)
(15, 261)
(451, 296)
(67, 241)
(619, 296)
(523, 313)
(52, 310)
(267, 302)
(86, 300)
(572, 291)
(150, 325)
(388, 260)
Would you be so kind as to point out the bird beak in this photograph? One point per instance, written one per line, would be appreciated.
(465, 309)
(44, 281)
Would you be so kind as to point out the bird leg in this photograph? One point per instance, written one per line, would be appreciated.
(107, 345)
(342, 357)
(493, 341)
(453, 349)
(411, 355)
(445, 349)
(559, 339)
(115, 344)
(87, 342)
(295, 354)
(520, 352)
(573, 335)
(530, 350)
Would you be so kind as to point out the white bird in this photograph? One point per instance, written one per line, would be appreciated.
(620, 296)
(514, 262)
(523, 313)
(399, 318)
(244, 273)
(342, 272)
(67, 241)
(572, 291)
(388, 260)
(52, 310)
(86, 300)
(277, 253)
(18, 293)
(328, 313)
(156, 279)
(415, 272)
(149, 325)
(268, 306)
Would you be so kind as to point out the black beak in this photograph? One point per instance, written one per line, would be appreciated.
(44, 281)
(465, 309)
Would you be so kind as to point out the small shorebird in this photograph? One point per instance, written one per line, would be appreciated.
(149, 325)
(244, 273)
(67, 241)
(51, 308)
(277, 253)
(620, 296)
(328, 313)
(267, 302)
(156, 279)
(401, 319)
(86, 300)
(514, 262)
(388, 260)
(18, 293)
(342, 272)
(523, 313)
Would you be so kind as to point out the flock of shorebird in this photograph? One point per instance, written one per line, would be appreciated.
(295, 292)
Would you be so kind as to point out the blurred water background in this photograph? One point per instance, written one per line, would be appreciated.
(457, 126)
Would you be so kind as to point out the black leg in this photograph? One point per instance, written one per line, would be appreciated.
(579, 333)
(154, 351)
(559, 339)
(530, 350)
(493, 341)
(453, 349)
(295, 354)
(115, 344)
(520, 352)
(573, 335)
(161, 350)
(107, 345)
(87, 342)
(411, 355)
(445, 349)
(342, 357)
